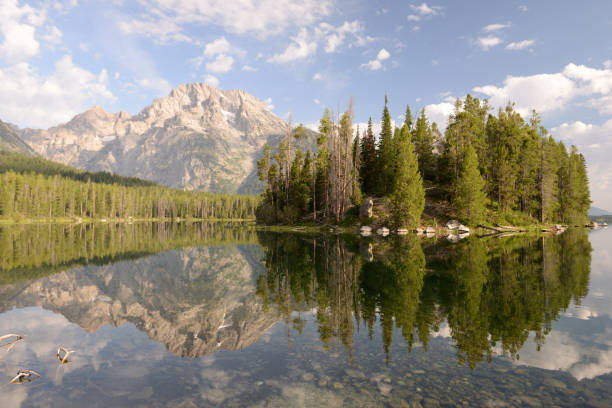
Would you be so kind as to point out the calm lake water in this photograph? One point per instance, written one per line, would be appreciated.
(216, 315)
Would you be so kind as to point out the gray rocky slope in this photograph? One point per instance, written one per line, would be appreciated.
(10, 141)
(196, 138)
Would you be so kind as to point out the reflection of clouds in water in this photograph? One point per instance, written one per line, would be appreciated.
(570, 352)
(44, 331)
(15, 397)
(444, 331)
(581, 312)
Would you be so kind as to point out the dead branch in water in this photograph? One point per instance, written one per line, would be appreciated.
(62, 355)
(24, 375)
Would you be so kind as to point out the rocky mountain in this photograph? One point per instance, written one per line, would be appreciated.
(195, 300)
(196, 138)
(10, 140)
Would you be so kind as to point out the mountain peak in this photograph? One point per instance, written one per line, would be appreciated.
(197, 138)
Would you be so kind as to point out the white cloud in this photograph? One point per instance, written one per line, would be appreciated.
(590, 80)
(488, 42)
(30, 99)
(84, 47)
(217, 53)
(317, 77)
(413, 17)
(333, 38)
(261, 18)
(268, 103)
(211, 80)
(592, 87)
(302, 47)
(520, 45)
(435, 62)
(162, 30)
(607, 64)
(439, 113)
(161, 86)
(18, 28)
(221, 64)
(425, 9)
(495, 27)
(523, 8)
(218, 46)
(53, 35)
(543, 92)
(249, 68)
(375, 65)
(317, 101)
(383, 55)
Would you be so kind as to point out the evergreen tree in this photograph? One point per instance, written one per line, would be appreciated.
(470, 200)
(386, 154)
(408, 118)
(368, 172)
(423, 143)
(408, 196)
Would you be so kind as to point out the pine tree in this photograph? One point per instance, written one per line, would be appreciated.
(386, 153)
(408, 196)
(423, 143)
(368, 172)
(470, 200)
(408, 118)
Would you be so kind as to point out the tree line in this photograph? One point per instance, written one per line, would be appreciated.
(484, 166)
(39, 196)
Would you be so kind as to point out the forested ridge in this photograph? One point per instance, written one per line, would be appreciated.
(484, 168)
(34, 188)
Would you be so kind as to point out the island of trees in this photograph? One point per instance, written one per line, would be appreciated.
(485, 168)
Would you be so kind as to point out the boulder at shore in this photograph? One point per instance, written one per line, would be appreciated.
(367, 209)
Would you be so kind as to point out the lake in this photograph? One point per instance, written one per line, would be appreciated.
(191, 315)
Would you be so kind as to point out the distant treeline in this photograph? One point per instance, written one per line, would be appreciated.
(53, 191)
(486, 166)
(23, 164)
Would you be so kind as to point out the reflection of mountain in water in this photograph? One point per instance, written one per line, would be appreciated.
(492, 292)
(194, 300)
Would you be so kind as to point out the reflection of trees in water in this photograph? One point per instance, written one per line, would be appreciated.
(492, 292)
(33, 251)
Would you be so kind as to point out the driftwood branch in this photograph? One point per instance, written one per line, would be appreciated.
(62, 355)
(24, 375)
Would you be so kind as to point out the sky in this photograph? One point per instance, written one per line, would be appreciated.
(58, 58)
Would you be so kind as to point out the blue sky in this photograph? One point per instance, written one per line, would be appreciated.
(58, 58)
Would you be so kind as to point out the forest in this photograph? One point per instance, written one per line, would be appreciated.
(34, 188)
(485, 167)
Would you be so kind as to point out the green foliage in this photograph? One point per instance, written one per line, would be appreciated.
(422, 137)
(22, 164)
(368, 171)
(386, 154)
(408, 196)
(470, 199)
(38, 196)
